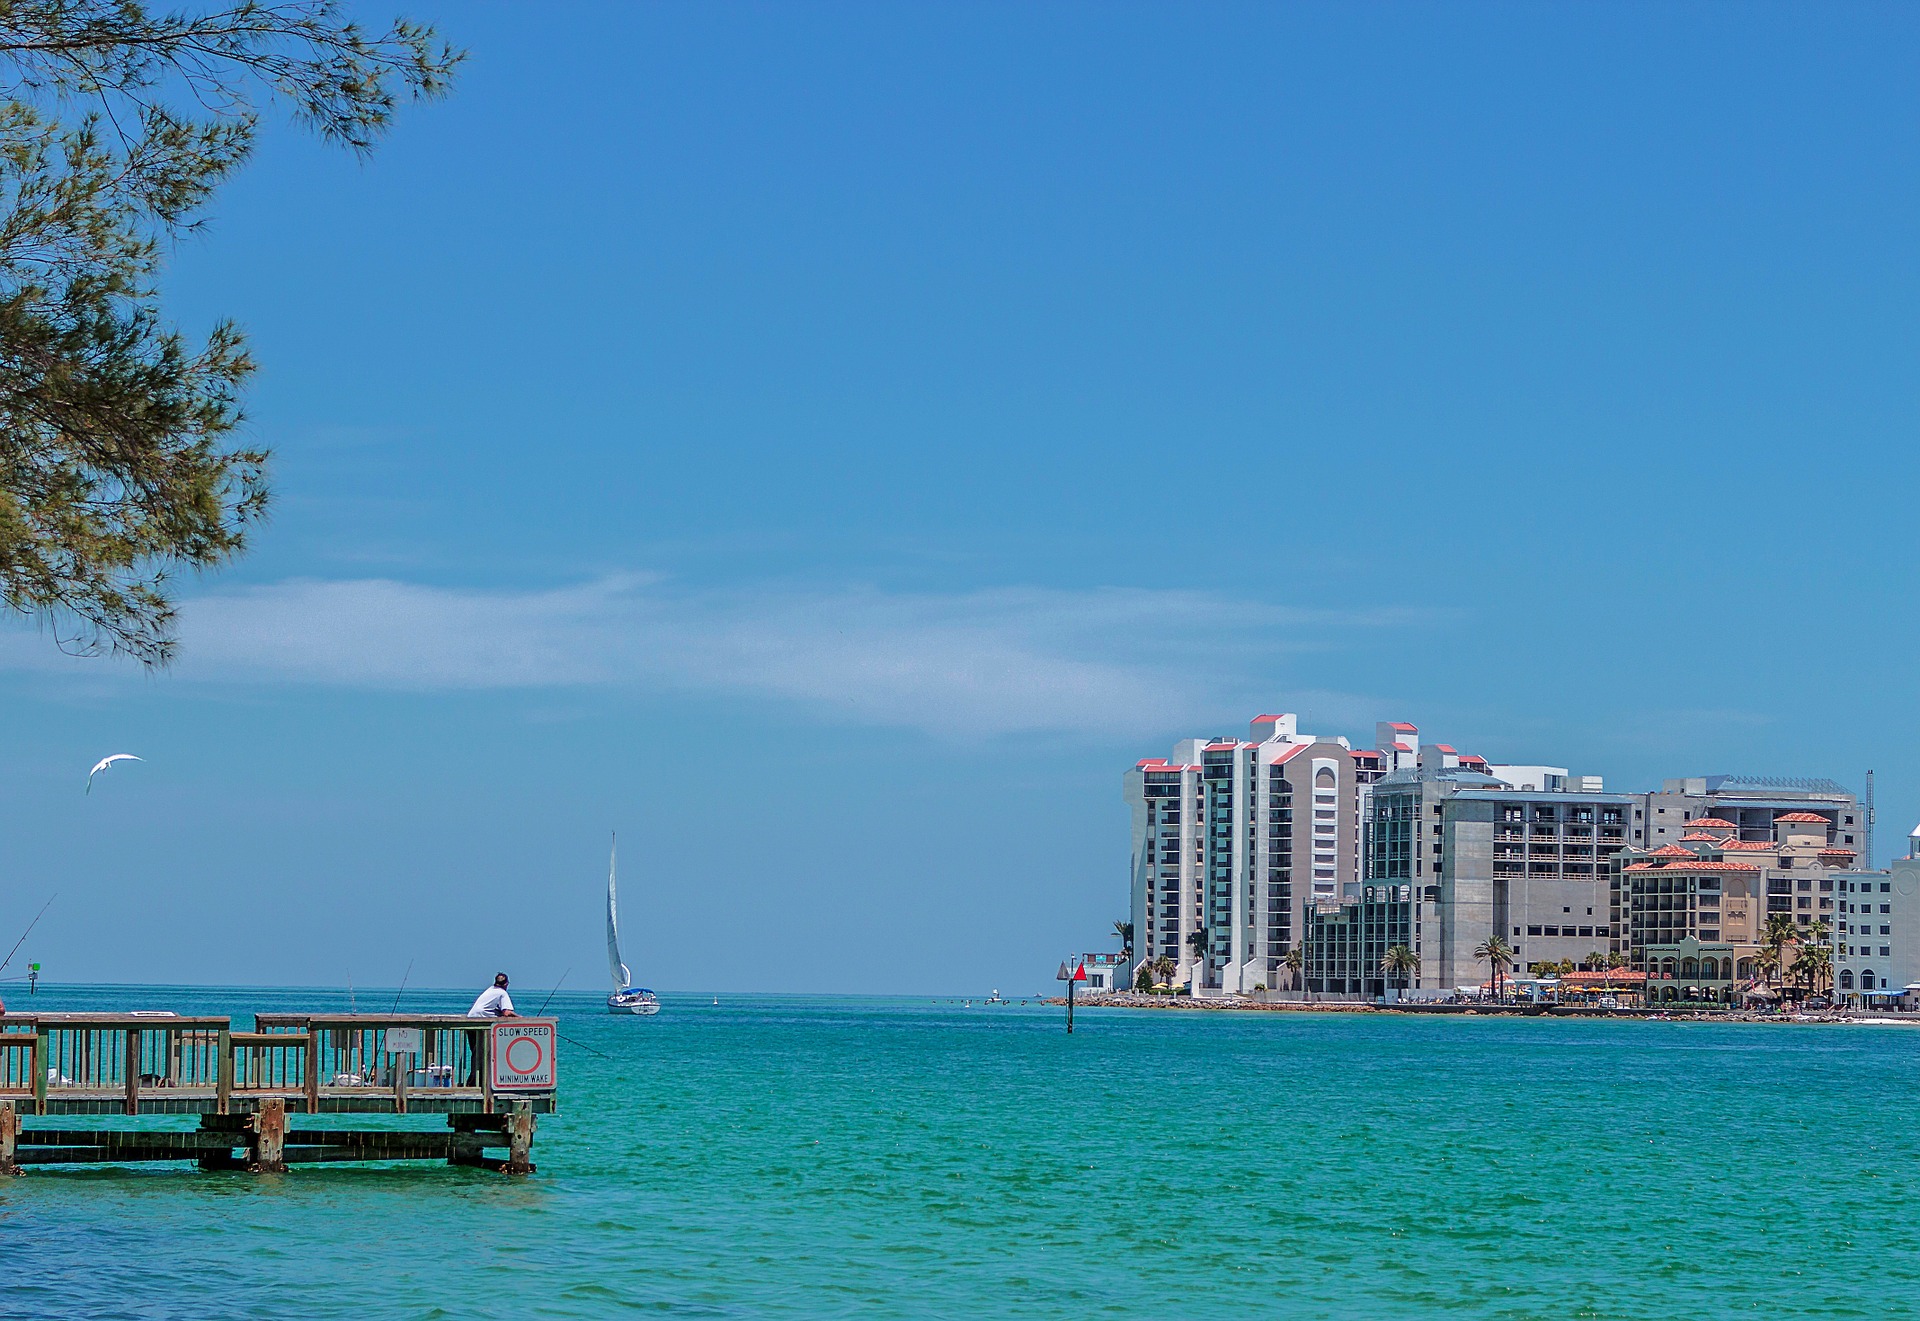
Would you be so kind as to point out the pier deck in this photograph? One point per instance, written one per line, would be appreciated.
(487, 1079)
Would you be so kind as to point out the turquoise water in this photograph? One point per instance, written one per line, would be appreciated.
(835, 1157)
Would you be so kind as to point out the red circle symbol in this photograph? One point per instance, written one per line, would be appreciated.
(524, 1055)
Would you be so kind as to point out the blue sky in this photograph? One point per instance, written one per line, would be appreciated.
(829, 443)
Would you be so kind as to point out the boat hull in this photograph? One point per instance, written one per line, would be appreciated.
(641, 1003)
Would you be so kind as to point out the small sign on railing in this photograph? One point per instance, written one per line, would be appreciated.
(522, 1054)
(405, 1041)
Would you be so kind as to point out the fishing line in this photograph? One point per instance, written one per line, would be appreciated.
(403, 987)
(583, 1045)
(28, 932)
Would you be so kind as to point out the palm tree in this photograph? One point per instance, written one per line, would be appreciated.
(1163, 970)
(1778, 933)
(1124, 930)
(1296, 961)
(1814, 966)
(1401, 962)
(1616, 960)
(1498, 955)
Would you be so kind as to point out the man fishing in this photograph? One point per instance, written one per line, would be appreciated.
(494, 1002)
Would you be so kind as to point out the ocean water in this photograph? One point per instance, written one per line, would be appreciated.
(849, 1157)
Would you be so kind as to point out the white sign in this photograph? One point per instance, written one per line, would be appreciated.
(523, 1054)
(404, 1041)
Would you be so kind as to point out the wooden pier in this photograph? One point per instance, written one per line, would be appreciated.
(486, 1078)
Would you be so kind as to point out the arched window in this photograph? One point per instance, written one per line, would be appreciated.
(1324, 778)
(1846, 980)
(1866, 979)
(1746, 968)
(1710, 969)
(1689, 968)
(1666, 967)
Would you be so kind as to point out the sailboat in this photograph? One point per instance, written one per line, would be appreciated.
(626, 998)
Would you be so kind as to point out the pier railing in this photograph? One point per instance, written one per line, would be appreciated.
(167, 1064)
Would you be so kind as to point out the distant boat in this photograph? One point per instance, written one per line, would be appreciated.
(626, 998)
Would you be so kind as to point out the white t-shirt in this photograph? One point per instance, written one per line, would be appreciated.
(493, 1003)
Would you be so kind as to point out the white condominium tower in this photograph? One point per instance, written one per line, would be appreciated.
(1232, 841)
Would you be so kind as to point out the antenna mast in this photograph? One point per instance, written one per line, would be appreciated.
(1869, 820)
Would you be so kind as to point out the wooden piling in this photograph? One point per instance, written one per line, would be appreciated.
(520, 1139)
(269, 1137)
(9, 1138)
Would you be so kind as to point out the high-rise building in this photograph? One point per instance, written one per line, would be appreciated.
(1488, 859)
(1232, 839)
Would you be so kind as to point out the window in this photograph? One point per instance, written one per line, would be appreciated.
(1531, 931)
(1885, 951)
(1886, 908)
(1886, 930)
(1886, 887)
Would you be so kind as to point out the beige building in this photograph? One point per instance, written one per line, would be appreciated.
(1696, 909)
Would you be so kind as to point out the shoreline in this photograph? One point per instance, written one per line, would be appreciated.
(1691, 1014)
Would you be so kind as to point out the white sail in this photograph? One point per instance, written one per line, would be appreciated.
(621, 977)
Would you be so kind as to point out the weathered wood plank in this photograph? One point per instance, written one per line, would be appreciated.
(197, 1140)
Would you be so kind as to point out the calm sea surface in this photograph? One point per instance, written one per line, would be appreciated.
(828, 1157)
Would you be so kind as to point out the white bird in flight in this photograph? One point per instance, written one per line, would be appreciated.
(105, 762)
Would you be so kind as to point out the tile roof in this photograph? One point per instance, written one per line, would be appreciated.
(1673, 851)
(1709, 866)
(1811, 818)
(1748, 845)
(1615, 976)
(1700, 834)
(1713, 821)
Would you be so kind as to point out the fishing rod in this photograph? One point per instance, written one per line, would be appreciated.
(555, 991)
(28, 932)
(403, 987)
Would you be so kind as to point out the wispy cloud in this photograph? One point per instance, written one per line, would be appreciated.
(966, 664)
